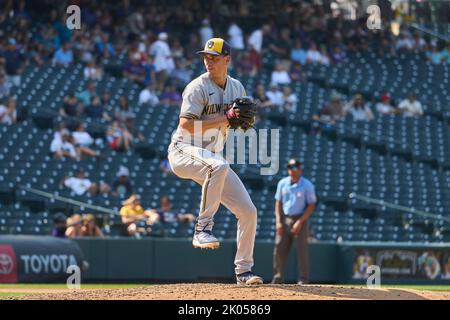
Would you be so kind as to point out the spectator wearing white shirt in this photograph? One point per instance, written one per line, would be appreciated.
(280, 75)
(162, 59)
(313, 55)
(92, 71)
(359, 110)
(206, 32)
(275, 95)
(289, 100)
(236, 37)
(411, 107)
(61, 146)
(8, 113)
(256, 38)
(384, 106)
(404, 43)
(79, 184)
(81, 137)
(148, 97)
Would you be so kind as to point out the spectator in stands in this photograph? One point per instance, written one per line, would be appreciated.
(83, 141)
(206, 32)
(324, 120)
(170, 96)
(275, 95)
(118, 137)
(133, 69)
(131, 128)
(256, 38)
(63, 56)
(71, 107)
(121, 187)
(281, 46)
(296, 73)
(245, 65)
(337, 55)
(384, 106)
(358, 109)
(410, 107)
(61, 147)
(298, 54)
(235, 36)
(337, 107)
(79, 184)
(89, 227)
(445, 54)
(96, 110)
(148, 97)
(14, 62)
(290, 100)
(123, 112)
(132, 212)
(105, 99)
(280, 75)
(92, 71)
(4, 88)
(181, 74)
(434, 55)
(85, 96)
(313, 55)
(177, 50)
(8, 113)
(59, 225)
(261, 97)
(404, 43)
(74, 225)
(165, 214)
(162, 59)
(419, 44)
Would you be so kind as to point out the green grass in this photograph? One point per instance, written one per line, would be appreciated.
(13, 294)
(419, 287)
(63, 286)
(441, 288)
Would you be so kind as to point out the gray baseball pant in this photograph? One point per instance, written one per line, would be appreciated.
(220, 184)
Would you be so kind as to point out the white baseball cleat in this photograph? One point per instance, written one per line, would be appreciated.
(248, 278)
(205, 240)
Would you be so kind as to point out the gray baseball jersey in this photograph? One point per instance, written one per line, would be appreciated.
(205, 100)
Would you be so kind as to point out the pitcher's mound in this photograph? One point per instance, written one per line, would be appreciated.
(208, 291)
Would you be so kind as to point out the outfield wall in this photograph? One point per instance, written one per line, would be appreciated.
(42, 259)
(176, 260)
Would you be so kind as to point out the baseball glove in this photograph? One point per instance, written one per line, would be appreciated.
(242, 114)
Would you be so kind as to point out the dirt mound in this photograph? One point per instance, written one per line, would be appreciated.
(204, 291)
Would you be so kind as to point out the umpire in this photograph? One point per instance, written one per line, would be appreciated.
(295, 202)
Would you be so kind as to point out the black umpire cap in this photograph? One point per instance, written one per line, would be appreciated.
(293, 163)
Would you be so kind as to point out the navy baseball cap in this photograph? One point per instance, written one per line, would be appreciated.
(293, 163)
(216, 47)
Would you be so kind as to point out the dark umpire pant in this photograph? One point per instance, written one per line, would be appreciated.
(282, 247)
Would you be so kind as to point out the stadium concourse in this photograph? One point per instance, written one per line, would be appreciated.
(395, 158)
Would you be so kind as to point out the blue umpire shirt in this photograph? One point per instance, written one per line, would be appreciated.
(295, 197)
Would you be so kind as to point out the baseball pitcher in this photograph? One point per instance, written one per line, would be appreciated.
(212, 103)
